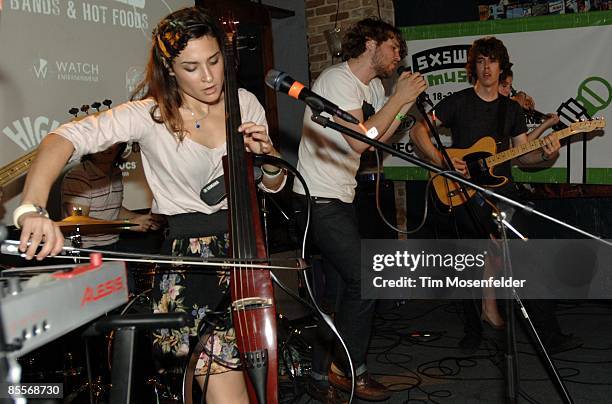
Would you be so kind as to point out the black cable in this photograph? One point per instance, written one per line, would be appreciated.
(210, 360)
(336, 18)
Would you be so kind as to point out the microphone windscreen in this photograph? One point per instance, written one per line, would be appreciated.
(273, 79)
(403, 69)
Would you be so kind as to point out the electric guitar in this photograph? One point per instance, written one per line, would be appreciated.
(14, 170)
(481, 158)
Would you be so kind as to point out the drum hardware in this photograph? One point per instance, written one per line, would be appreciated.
(125, 336)
(294, 349)
(162, 391)
(111, 335)
(97, 391)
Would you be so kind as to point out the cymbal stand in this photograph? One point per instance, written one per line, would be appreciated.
(75, 237)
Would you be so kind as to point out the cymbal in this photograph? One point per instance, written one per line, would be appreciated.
(89, 225)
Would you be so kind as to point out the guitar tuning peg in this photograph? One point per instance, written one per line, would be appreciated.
(73, 111)
(85, 108)
(107, 103)
(96, 105)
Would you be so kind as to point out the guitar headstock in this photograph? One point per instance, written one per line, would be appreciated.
(86, 108)
(587, 126)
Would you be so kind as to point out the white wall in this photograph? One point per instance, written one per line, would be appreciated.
(60, 54)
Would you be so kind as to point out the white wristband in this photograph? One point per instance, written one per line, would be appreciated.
(28, 208)
(372, 133)
(276, 174)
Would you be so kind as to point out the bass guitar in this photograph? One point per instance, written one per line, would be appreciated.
(481, 158)
(17, 168)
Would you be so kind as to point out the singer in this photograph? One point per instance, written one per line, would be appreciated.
(371, 50)
(471, 114)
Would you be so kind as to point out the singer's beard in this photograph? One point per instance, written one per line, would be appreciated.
(385, 73)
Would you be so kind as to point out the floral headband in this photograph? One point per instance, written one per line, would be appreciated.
(171, 37)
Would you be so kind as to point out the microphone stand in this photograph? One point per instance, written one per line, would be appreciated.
(511, 357)
(512, 370)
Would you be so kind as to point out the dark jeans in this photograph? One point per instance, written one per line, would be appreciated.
(334, 231)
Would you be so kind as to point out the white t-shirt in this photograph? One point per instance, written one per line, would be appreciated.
(176, 172)
(325, 159)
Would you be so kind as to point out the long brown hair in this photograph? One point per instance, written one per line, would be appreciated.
(169, 39)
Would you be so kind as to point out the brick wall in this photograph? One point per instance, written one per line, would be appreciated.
(320, 16)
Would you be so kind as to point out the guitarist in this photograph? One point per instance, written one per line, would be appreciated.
(471, 114)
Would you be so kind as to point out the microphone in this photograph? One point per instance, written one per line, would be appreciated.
(402, 69)
(423, 98)
(282, 82)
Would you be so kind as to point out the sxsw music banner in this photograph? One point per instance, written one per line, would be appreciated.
(562, 61)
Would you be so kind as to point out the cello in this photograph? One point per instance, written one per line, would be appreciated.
(252, 293)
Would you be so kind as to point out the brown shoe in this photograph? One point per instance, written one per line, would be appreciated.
(324, 393)
(366, 388)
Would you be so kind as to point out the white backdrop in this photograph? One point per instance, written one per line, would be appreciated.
(551, 65)
(58, 54)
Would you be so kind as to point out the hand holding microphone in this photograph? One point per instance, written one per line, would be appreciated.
(412, 86)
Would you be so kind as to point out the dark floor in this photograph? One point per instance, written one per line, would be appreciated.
(414, 352)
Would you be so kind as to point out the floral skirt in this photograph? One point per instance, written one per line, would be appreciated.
(198, 291)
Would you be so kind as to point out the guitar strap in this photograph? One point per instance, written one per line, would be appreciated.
(501, 116)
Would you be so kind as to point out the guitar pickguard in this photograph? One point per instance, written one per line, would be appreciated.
(479, 170)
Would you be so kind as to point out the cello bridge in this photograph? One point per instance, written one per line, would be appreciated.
(252, 303)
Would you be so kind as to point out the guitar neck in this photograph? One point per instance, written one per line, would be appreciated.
(513, 152)
(14, 170)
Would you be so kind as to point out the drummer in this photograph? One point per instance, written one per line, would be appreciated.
(94, 188)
